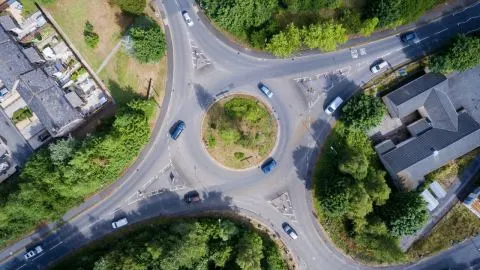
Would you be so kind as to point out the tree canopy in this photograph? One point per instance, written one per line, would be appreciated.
(363, 112)
(462, 54)
(132, 6)
(392, 13)
(148, 41)
(325, 36)
(286, 42)
(204, 243)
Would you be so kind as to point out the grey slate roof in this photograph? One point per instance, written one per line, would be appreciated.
(33, 56)
(418, 127)
(411, 96)
(441, 111)
(433, 149)
(12, 60)
(47, 100)
(7, 23)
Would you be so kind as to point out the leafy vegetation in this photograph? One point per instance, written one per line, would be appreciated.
(203, 243)
(363, 112)
(267, 24)
(351, 196)
(135, 7)
(21, 114)
(462, 54)
(457, 225)
(90, 37)
(149, 43)
(239, 131)
(59, 177)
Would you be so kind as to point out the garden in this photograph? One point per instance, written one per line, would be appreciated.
(239, 131)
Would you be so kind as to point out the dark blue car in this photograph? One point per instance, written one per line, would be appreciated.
(409, 37)
(268, 165)
(177, 129)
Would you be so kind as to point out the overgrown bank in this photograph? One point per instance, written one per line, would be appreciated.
(193, 243)
(59, 177)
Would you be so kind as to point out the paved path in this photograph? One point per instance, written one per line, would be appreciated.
(110, 56)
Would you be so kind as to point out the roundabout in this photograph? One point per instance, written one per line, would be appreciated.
(239, 131)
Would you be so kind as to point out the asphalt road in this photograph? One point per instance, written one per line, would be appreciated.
(303, 128)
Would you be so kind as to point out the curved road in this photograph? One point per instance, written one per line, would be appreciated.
(169, 169)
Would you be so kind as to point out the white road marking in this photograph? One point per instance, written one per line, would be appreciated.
(469, 19)
(23, 265)
(363, 51)
(441, 31)
(61, 242)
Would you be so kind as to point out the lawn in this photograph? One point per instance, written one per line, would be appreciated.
(239, 131)
(447, 174)
(458, 225)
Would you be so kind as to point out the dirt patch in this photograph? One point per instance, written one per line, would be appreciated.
(239, 142)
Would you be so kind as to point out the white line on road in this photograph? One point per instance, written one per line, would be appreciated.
(23, 265)
(469, 19)
(61, 242)
(441, 31)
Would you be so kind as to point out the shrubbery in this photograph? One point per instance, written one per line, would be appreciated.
(363, 112)
(462, 54)
(135, 7)
(59, 177)
(204, 243)
(148, 40)
(90, 37)
(392, 13)
(21, 114)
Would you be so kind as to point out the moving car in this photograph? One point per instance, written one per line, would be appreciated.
(268, 165)
(409, 37)
(187, 18)
(192, 196)
(177, 129)
(289, 230)
(334, 105)
(265, 90)
(119, 223)
(33, 252)
(378, 66)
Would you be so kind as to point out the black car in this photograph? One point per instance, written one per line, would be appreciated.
(409, 37)
(192, 197)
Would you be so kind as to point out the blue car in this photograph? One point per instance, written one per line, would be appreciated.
(177, 129)
(409, 37)
(265, 90)
(268, 165)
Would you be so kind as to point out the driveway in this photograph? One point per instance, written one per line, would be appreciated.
(14, 139)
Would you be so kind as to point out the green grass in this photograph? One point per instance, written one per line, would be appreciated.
(458, 225)
(239, 132)
(21, 114)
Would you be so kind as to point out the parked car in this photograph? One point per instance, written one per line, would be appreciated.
(33, 252)
(269, 165)
(289, 230)
(265, 90)
(187, 18)
(378, 66)
(333, 106)
(177, 129)
(409, 38)
(44, 136)
(119, 223)
(192, 197)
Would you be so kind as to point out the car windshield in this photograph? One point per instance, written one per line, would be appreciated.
(330, 109)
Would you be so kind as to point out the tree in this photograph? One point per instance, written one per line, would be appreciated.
(363, 112)
(376, 186)
(325, 36)
(368, 26)
(463, 54)
(90, 37)
(148, 41)
(249, 252)
(351, 20)
(388, 12)
(334, 196)
(404, 213)
(132, 6)
(354, 163)
(286, 42)
(62, 151)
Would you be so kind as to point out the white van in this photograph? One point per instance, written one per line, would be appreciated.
(119, 223)
(376, 68)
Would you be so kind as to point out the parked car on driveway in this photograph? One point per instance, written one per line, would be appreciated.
(119, 223)
(333, 106)
(192, 197)
(187, 18)
(177, 129)
(379, 65)
(409, 38)
(33, 252)
(265, 90)
(268, 165)
(289, 230)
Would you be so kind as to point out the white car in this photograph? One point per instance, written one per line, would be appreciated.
(119, 223)
(187, 18)
(377, 67)
(334, 105)
(290, 231)
(35, 251)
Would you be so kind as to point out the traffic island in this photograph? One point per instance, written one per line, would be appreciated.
(239, 131)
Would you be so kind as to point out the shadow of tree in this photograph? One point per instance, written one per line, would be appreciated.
(204, 98)
(122, 94)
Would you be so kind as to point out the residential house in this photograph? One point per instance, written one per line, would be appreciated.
(442, 133)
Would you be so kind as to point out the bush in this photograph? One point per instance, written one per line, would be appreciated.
(363, 112)
(135, 7)
(212, 142)
(59, 177)
(148, 41)
(392, 13)
(90, 37)
(21, 114)
(286, 42)
(463, 54)
(239, 155)
(350, 20)
(325, 36)
(368, 26)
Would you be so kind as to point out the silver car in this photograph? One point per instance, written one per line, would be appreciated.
(333, 106)
(187, 18)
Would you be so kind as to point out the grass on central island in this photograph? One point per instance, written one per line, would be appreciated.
(239, 131)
